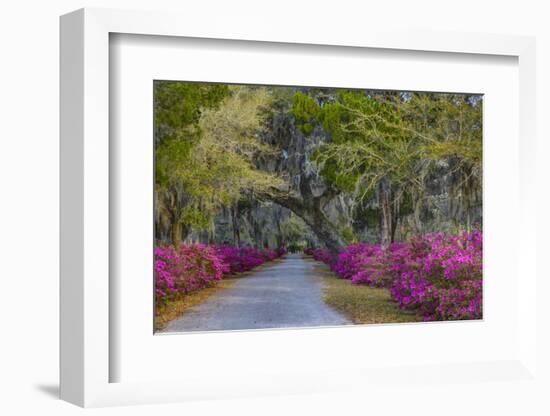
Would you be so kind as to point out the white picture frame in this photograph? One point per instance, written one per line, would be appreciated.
(85, 220)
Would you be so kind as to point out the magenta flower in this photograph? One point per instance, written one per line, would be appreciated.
(196, 266)
(437, 275)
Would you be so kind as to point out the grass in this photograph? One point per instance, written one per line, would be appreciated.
(174, 309)
(363, 304)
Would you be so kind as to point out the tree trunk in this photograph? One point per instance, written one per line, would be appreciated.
(236, 230)
(324, 229)
(204, 237)
(256, 229)
(311, 212)
(384, 195)
(395, 222)
(279, 234)
(396, 209)
(417, 203)
(468, 208)
(258, 236)
(176, 234)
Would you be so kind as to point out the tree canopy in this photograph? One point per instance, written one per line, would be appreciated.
(265, 165)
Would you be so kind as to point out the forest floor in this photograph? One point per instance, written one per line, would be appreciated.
(281, 294)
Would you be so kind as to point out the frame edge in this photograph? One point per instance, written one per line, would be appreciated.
(71, 201)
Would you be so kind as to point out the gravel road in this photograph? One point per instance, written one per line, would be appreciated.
(286, 293)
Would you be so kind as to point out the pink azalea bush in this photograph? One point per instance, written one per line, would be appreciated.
(437, 275)
(441, 276)
(326, 256)
(190, 268)
(196, 266)
(242, 259)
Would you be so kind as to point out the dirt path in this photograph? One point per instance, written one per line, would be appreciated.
(283, 294)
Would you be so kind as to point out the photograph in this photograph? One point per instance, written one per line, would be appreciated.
(305, 207)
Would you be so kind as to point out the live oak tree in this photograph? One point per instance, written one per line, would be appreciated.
(177, 108)
(386, 146)
(205, 159)
(342, 161)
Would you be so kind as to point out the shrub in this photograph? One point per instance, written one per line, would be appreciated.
(439, 276)
(196, 266)
(185, 270)
(442, 277)
(243, 259)
(326, 256)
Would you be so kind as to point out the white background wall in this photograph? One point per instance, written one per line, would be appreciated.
(29, 174)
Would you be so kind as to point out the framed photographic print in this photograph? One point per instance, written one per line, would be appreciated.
(236, 209)
(384, 187)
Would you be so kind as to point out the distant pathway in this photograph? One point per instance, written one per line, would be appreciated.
(283, 294)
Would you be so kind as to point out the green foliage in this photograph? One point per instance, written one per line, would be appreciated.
(330, 170)
(379, 137)
(196, 218)
(349, 236)
(367, 145)
(294, 232)
(205, 155)
(178, 106)
(406, 204)
(306, 112)
(169, 155)
(389, 146)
